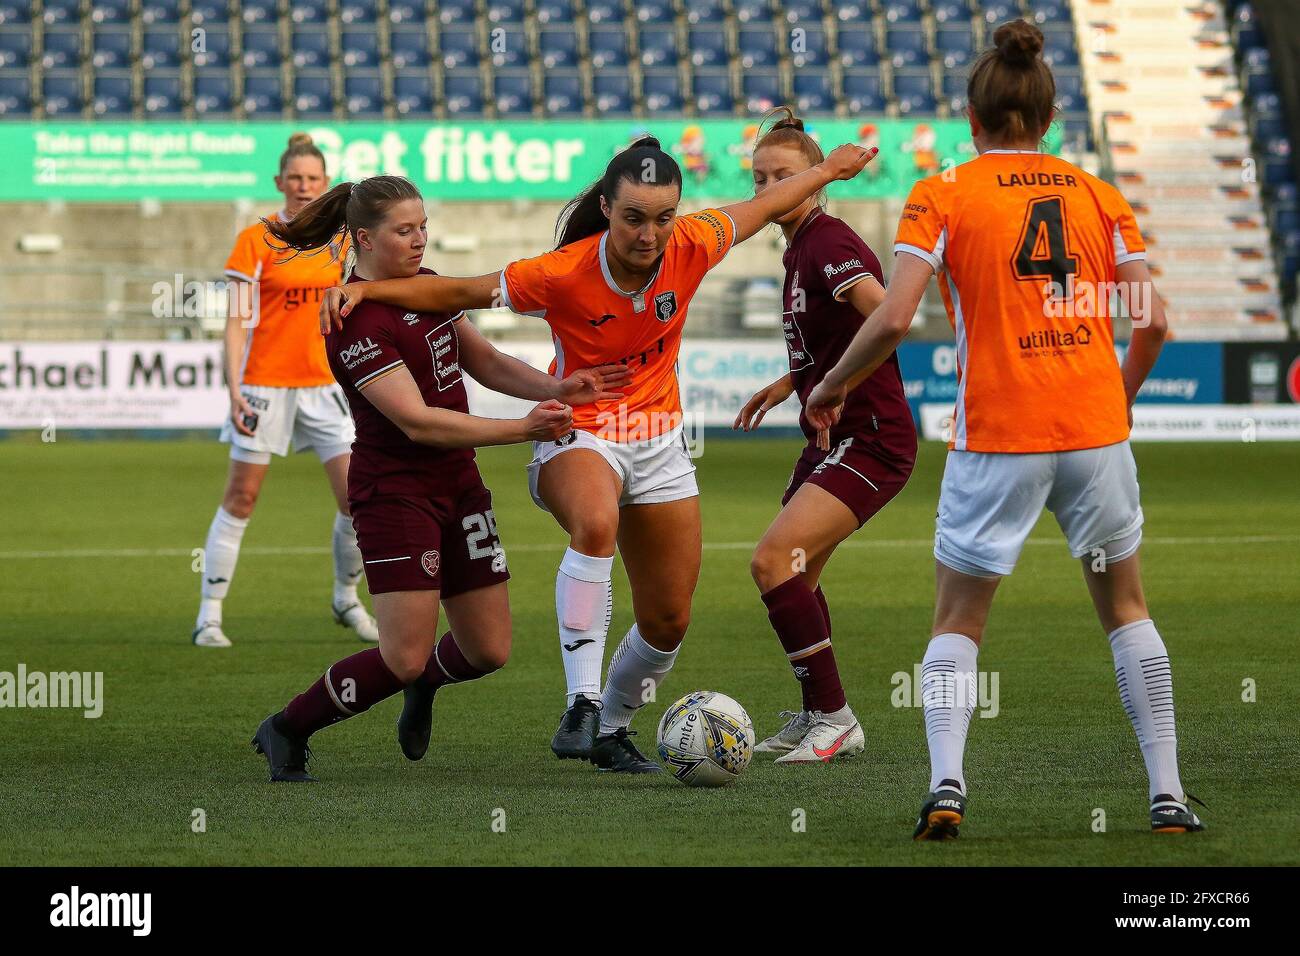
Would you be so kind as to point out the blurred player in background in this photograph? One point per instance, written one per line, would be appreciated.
(281, 394)
(423, 516)
(617, 289)
(844, 475)
(1027, 248)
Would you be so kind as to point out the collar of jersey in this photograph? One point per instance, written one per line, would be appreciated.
(1013, 152)
(609, 279)
(812, 217)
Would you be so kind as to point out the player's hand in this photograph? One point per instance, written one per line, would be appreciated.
(548, 421)
(597, 384)
(847, 161)
(762, 402)
(238, 409)
(825, 404)
(337, 303)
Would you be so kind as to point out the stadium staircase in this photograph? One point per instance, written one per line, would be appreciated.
(1160, 77)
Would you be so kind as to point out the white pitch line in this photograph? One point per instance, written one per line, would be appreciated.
(73, 553)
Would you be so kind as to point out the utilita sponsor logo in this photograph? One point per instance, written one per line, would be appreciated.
(1054, 339)
(843, 267)
(74, 908)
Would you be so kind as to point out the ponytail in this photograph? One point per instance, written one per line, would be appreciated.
(787, 130)
(344, 209)
(642, 162)
(1011, 89)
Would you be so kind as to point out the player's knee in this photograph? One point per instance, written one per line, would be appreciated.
(239, 501)
(769, 567)
(407, 664)
(596, 533)
(493, 657)
(665, 629)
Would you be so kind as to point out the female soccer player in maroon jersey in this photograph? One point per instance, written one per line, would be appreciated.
(844, 475)
(423, 517)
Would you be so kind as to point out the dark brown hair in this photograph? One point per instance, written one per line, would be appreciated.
(1011, 89)
(345, 208)
(788, 131)
(300, 144)
(582, 216)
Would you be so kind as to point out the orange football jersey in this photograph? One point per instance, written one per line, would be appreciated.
(594, 322)
(1025, 246)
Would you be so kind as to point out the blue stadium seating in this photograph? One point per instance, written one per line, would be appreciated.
(17, 13)
(359, 12)
(608, 47)
(760, 90)
(505, 11)
(460, 12)
(562, 93)
(162, 93)
(1276, 162)
(712, 93)
(653, 11)
(15, 47)
(360, 47)
(950, 11)
(906, 45)
(111, 48)
(463, 92)
(997, 12)
(212, 92)
(513, 93)
(313, 94)
(753, 11)
(556, 11)
(160, 47)
(160, 11)
(756, 46)
(558, 47)
(263, 93)
(257, 11)
(953, 92)
(64, 12)
(954, 45)
(110, 11)
(806, 12)
(409, 47)
(111, 94)
(706, 47)
(209, 12)
(604, 12)
(412, 93)
(813, 92)
(914, 91)
(857, 45)
(508, 45)
(863, 92)
(662, 91)
(15, 93)
(62, 48)
(309, 11)
(363, 94)
(658, 47)
(1059, 50)
(901, 11)
(61, 93)
(1044, 12)
(406, 12)
(309, 47)
(855, 12)
(809, 46)
(459, 48)
(706, 11)
(261, 48)
(1070, 95)
(216, 48)
(612, 93)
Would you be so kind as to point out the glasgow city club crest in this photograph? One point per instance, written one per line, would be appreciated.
(665, 306)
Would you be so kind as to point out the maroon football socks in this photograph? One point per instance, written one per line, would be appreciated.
(802, 624)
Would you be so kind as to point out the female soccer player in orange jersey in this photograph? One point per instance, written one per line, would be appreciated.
(617, 289)
(281, 395)
(1027, 248)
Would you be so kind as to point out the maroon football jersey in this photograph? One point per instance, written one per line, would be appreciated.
(376, 340)
(824, 259)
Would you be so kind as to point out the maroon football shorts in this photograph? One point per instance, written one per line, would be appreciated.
(441, 543)
(864, 481)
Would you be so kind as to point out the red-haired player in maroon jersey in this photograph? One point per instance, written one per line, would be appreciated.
(423, 517)
(844, 475)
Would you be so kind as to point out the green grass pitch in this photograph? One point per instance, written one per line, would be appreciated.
(95, 572)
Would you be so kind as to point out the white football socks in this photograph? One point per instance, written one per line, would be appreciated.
(1146, 689)
(635, 672)
(347, 561)
(948, 695)
(584, 601)
(220, 553)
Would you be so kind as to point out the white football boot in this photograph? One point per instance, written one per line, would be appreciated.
(209, 634)
(358, 618)
(825, 742)
(789, 736)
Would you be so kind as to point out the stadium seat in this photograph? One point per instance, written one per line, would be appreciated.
(854, 12)
(111, 94)
(953, 89)
(363, 94)
(857, 46)
(906, 46)
(562, 93)
(753, 11)
(459, 12)
(954, 45)
(1070, 95)
(760, 90)
(756, 46)
(996, 12)
(15, 48)
(513, 93)
(612, 93)
(61, 12)
(407, 12)
(160, 47)
(813, 92)
(1044, 12)
(706, 11)
(216, 48)
(806, 12)
(62, 48)
(15, 93)
(608, 47)
(662, 91)
(706, 47)
(914, 92)
(257, 11)
(212, 92)
(508, 45)
(309, 11)
(261, 48)
(555, 11)
(111, 48)
(901, 11)
(359, 47)
(557, 47)
(712, 93)
(604, 12)
(263, 93)
(412, 93)
(313, 94)
(1276, 162)
(658, 47)
(160, 11)
(863, 91)
(110, 11)
(505, 11)
(463, 92)
(162, 93)
(459, 48)
(1266, 125)
(1257, 79)
(61, 92)
(1059, 50)
(209, 12)
(809, 46)
(409, 47)
(1076, 130)
(950, 11)
(309, 47)
(653, 11)
(359, 11)
(15, 13)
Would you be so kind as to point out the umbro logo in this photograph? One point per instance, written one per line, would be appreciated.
(218, 580)
(411, 318)
(597, 323)
(577, 644)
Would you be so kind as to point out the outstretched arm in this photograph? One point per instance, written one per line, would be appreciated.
(504, 373)
(418, 293)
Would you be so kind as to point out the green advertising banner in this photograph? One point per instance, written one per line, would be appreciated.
(115, 162)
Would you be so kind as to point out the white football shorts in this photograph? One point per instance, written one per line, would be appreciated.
(653, 471)
(315, 418)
